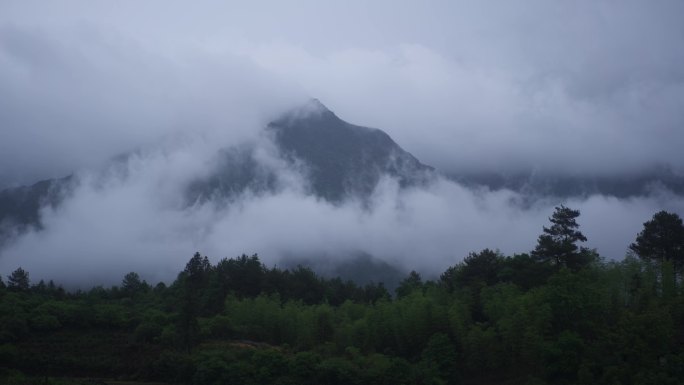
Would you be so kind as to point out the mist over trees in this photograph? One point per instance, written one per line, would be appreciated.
(134, 133)
(558, 315)
(164, 96)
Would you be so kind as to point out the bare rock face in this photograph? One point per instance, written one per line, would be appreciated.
(343, 159)
(340, 161)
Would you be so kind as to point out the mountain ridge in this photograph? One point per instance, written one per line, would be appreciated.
(345, 159)
(341, 161)
(533, 184)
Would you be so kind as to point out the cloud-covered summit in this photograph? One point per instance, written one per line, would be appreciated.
(343, 159)
(325, 157)
(582, 89)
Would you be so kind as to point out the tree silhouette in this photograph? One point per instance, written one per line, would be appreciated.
(481, 267)
(558, 244)
(18, 280)
(662, 239)
(194, 279)
(131, 284)
(409, 284)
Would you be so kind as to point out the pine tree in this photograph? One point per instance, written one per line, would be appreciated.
(131, 284)
(558, 244)
(19, 280)
(662, 240)
(194, 280)
(413, 282)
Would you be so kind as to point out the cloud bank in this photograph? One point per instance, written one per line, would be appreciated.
(589, 87)
(582, 87)
(136, 219)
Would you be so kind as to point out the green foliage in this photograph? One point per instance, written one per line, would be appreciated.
(558, 244)
(131, 285)
(192, 282)
(44, 322)
(489, 319)
(219, 327)
(409, 284)
(148, 332)
(662, 238)
(441, 354)
(18, 280)
(174, 367)
(242, 276)
(662, 241)
(480, 268)
(8, 355)
(525, 271)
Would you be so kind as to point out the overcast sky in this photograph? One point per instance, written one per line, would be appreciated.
(575, 87)
(462, 85)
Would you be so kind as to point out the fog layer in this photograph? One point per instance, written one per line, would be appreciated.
(133, 216)
(593, 87)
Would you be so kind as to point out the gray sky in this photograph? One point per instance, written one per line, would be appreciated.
(575, 87)
(462, 85)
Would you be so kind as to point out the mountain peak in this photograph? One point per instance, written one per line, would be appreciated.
(316, 104)
(312, 111)
(344, 159)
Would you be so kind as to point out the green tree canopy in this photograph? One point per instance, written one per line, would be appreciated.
(194, 281)
(558, 244)
(18, 280)
(197, 272)
(409, 284)
(481, 267)
(662, 239)
(131, 284)
(242, 275)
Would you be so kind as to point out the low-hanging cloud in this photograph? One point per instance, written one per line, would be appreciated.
(579, 88)
(465, 117)
(138, 220)
(74, 98)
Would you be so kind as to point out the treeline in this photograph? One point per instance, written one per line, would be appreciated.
(558, 315)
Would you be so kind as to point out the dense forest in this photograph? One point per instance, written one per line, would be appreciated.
(560, 314)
